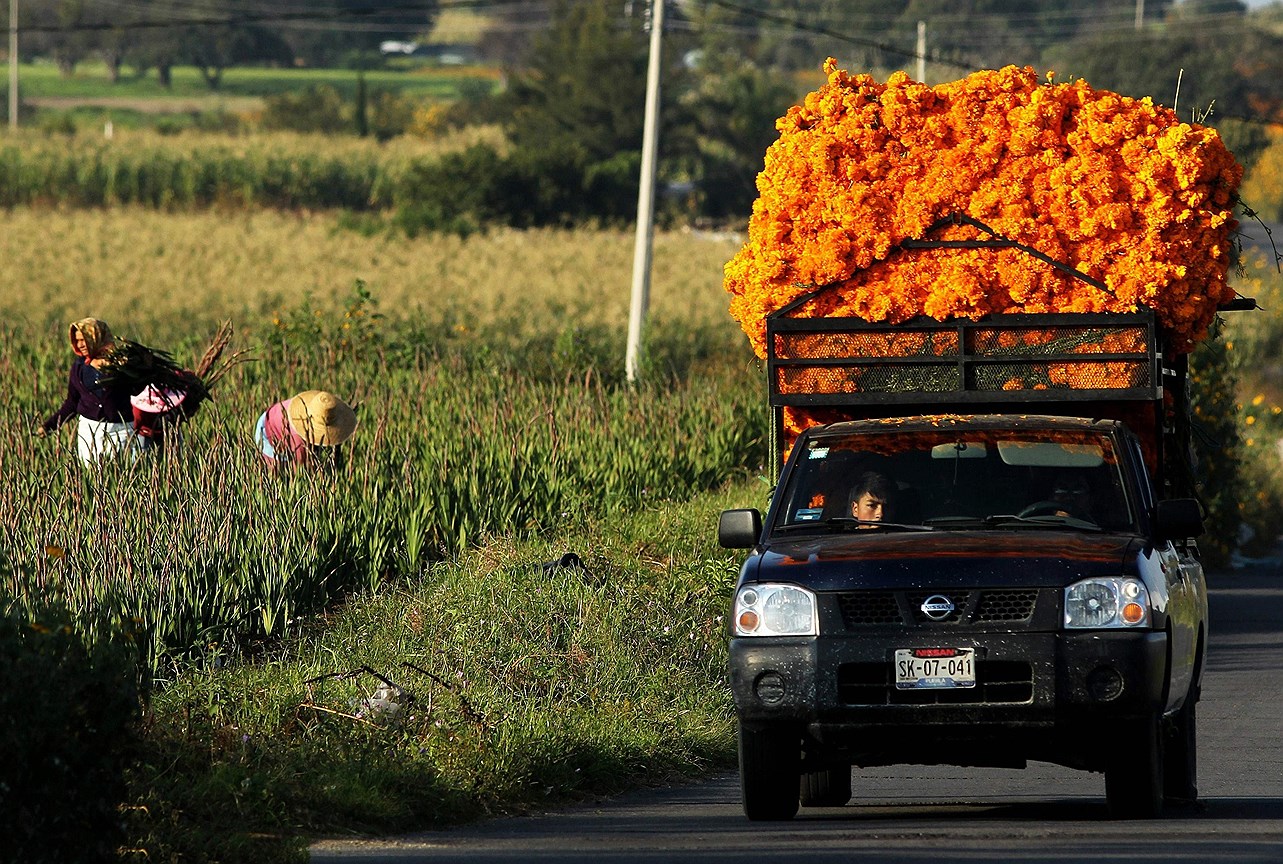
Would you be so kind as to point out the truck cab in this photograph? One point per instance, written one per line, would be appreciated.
(1027, 586)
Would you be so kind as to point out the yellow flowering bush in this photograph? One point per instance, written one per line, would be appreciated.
(1113, 186)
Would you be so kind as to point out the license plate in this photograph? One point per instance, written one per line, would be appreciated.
(935, 668)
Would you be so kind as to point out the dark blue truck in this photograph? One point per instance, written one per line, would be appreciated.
(1030, 588)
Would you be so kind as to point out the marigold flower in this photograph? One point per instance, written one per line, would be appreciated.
(1117, 187)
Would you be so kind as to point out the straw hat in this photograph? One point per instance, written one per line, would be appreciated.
(320, 417)
(157, 400)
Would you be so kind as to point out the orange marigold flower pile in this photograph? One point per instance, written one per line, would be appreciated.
(1114, 186)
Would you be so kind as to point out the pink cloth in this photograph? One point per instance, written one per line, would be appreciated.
(289, 445)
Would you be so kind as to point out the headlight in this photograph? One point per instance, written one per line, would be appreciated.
(1116, 602)
(775, 610)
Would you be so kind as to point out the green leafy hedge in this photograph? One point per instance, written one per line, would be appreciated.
(68, 706)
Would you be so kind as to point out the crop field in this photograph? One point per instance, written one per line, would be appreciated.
(486, 373)
(195, 170)
(496, 433)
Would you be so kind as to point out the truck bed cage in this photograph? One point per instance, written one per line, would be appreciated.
(1092, 364)
(1011, 358)
(1079, 357)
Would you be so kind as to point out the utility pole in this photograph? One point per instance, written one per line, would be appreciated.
(922, 51)
(1140, 14)
(13, 65)
(645, 198)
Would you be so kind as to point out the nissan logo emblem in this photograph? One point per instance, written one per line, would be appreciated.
(937, 607)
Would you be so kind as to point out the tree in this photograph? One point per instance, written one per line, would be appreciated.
(349, 32)
(71, 42)
(214, 48)
(1230, 70)
(160, 47)
(585, 85)
(734, 116)
(511, 33)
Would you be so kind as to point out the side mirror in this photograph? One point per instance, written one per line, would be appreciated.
(1178, 519)
(739, 529)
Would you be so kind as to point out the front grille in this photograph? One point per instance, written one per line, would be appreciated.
(997, 681)
(976, 606)
(869, 607)
(1009, 604)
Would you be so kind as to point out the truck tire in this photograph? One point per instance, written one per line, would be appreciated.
(1134, 778)
(828, 788)
(770, 772)
(1180, 768)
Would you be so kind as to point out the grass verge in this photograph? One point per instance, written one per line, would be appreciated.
(519, 684)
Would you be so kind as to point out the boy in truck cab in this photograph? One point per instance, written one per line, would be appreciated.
(870, 498)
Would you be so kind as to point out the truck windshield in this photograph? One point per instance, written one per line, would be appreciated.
(966, 480)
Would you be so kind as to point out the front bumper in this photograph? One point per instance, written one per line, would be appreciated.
(1039, 695)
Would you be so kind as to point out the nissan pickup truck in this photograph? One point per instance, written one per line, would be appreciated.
(1027, 587)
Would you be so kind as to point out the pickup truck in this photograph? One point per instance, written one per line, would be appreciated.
(1024, 583)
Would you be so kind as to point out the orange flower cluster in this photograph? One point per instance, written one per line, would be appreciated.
(1115, 187)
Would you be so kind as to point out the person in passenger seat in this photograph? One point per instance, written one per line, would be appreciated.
(870, 498)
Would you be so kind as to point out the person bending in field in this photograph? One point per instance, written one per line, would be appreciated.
(293, 432)
(104, 417)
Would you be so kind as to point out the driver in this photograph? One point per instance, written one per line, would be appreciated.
(1073, 497)
(870, 498)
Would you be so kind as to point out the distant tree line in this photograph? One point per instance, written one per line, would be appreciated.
(577, 83)
(576, 69)
(215, 35)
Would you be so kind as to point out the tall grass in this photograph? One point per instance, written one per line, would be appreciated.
(526, 687)
(204, 546)
(496, 434)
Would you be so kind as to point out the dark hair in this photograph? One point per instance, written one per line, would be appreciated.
(871, 482)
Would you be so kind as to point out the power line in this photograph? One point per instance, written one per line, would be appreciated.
(833, 34)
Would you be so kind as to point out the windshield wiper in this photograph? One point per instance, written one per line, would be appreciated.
(947, 522)
(1008, 520)
(848, 523)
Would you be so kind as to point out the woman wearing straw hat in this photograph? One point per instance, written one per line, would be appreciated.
(290, 431)
(101, 407)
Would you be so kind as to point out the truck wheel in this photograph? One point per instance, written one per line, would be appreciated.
(1134, 778)
(1180, 768)
(770, 772)
(828, 788)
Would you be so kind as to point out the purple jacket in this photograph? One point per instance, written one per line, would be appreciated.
(86, 397)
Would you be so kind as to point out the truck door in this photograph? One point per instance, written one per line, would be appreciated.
(1183, 576)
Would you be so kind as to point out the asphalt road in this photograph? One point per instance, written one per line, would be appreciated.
(934, 815)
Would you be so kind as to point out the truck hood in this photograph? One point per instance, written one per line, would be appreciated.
(907, 560)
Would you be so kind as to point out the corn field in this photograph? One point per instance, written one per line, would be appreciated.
(179, 172)
(490, 403)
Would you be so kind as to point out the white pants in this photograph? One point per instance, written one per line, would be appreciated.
(98, 439)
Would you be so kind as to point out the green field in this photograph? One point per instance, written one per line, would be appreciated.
(44, 81)
(496, 434)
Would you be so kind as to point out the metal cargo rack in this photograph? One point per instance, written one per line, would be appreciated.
(1069, 364)
(1021, 358)
(1100, 365)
